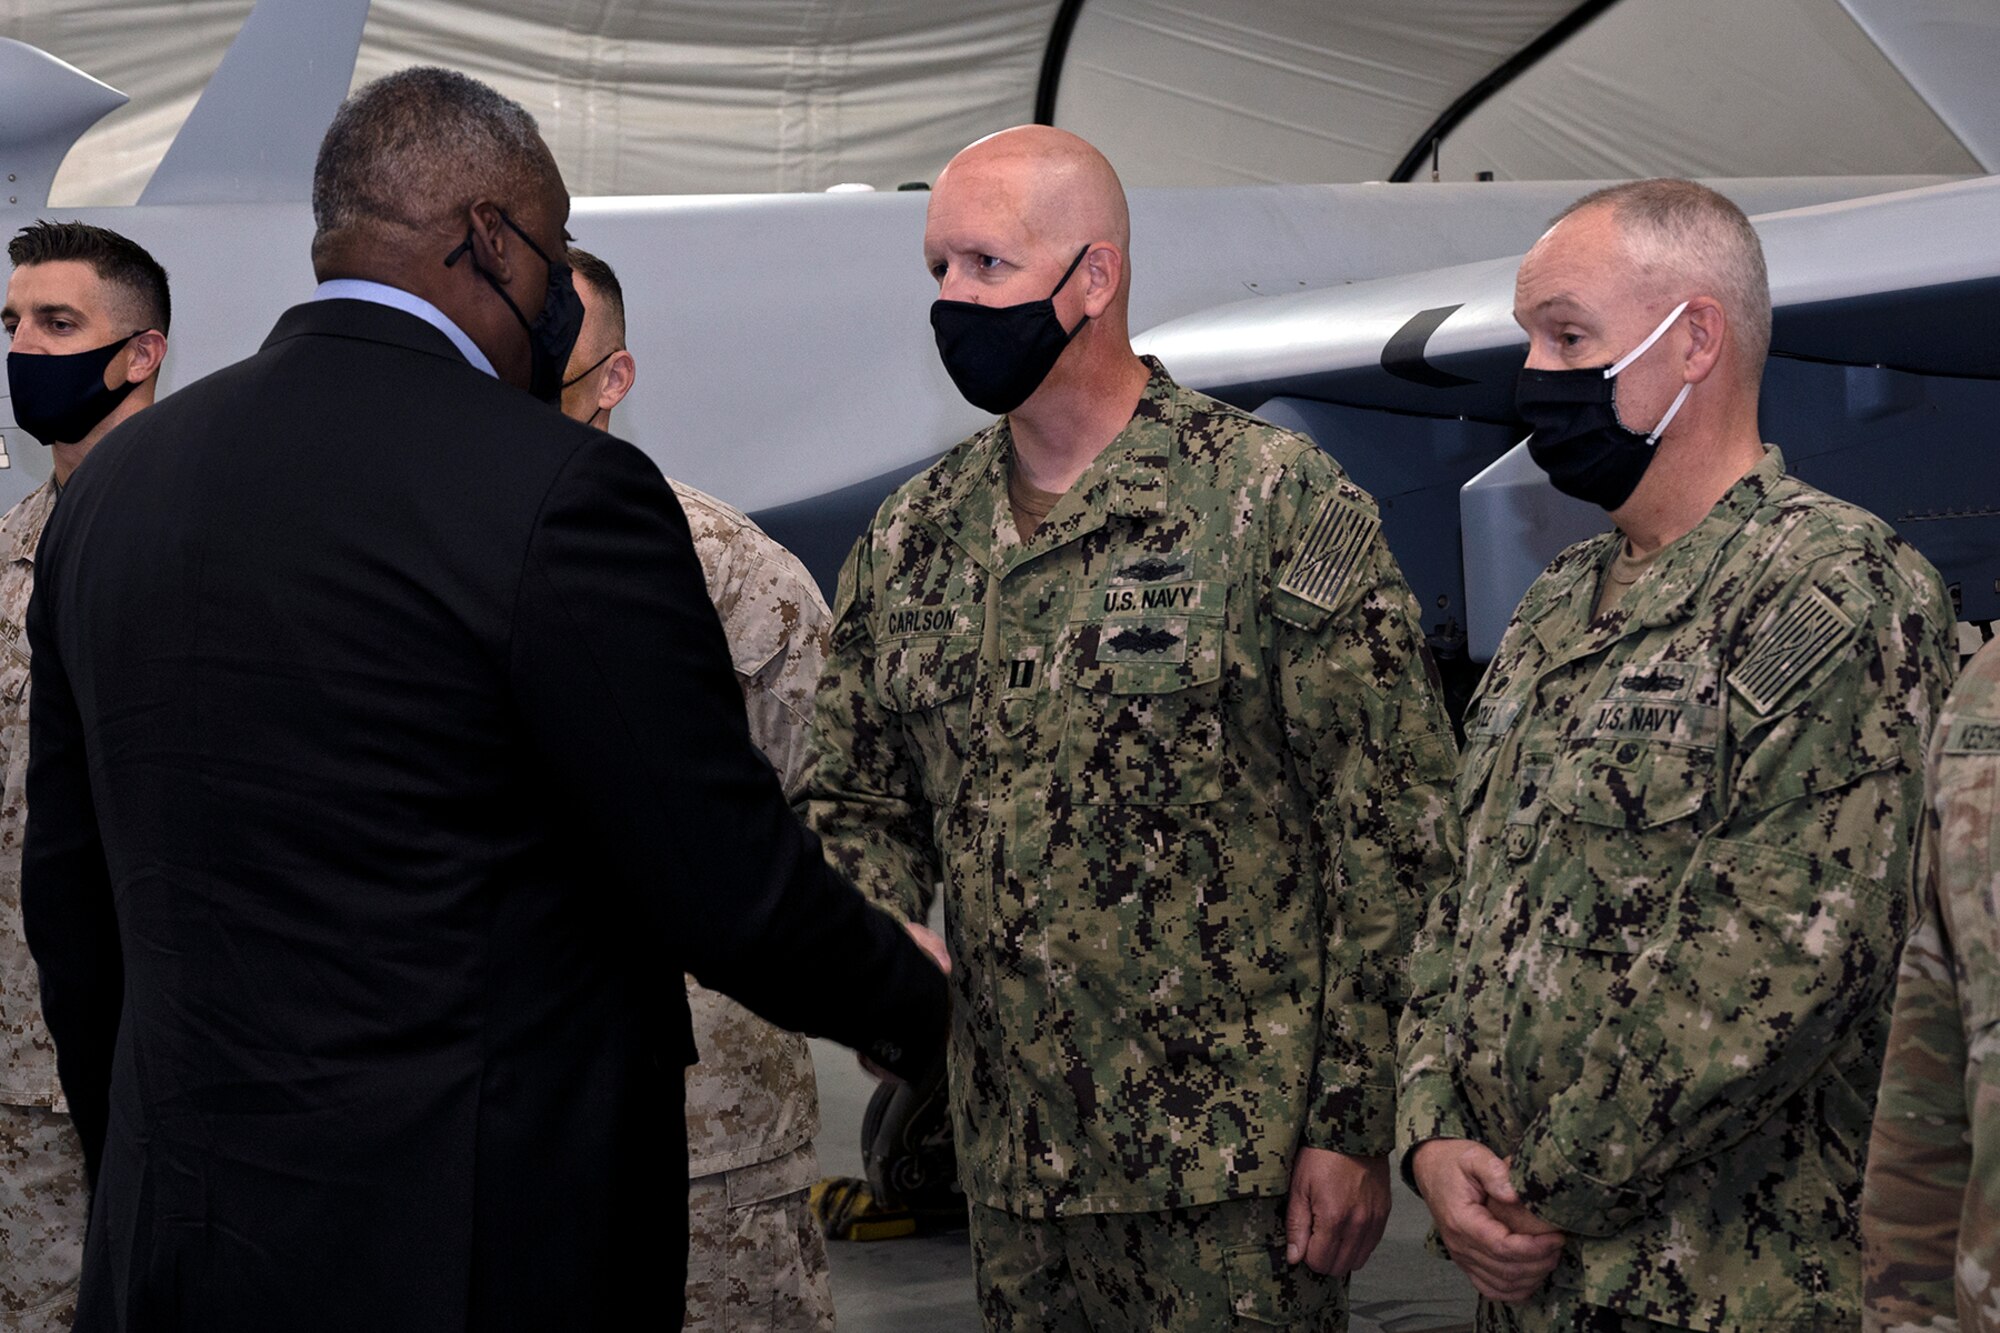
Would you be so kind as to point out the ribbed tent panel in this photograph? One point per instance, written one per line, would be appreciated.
(724, 96)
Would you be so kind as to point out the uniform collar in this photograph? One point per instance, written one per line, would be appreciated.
(23, 530)
(1131, 477)
(1560, 606)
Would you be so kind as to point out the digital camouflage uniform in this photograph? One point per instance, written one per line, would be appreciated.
(1930, 1212)
(1181, 768)
(43, 1194)
(756, 1258)
(1661, 987)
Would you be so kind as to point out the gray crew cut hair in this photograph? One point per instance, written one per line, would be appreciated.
(417, 145)
(1689, 237)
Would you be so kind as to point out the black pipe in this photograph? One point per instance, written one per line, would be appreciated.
(1474, 97)
(1052, 61)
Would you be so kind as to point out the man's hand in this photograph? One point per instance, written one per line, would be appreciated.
(1338, 1208)
(1506, 1250)
(927, 940)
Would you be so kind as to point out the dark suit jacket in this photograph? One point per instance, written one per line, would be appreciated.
(387, 770)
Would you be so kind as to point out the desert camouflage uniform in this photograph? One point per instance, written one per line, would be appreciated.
(43, 1194)
(755, 1260)
(1178, 762)
(1930, 1211)
(1662, 986)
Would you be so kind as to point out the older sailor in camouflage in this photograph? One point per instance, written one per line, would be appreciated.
(1930, 1208)
(1179, 766)
(74, 289)
(754, 1260)
(1660, 990)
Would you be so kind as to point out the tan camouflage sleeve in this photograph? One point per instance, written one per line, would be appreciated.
(1788, 917)
(792, 626)
(1920, 1155)
(863, 797)
(1368, 730)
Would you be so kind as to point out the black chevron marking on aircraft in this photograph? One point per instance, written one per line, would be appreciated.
(1403, 354)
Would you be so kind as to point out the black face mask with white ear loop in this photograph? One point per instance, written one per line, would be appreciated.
(1578, 437)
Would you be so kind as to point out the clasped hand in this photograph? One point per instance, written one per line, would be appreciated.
(1505, 1249)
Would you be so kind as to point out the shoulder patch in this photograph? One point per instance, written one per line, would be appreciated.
(1810, 629)
(1973, 735)
(1333, 547)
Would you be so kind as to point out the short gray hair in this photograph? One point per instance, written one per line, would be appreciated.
(1691, 236)
(421, 143)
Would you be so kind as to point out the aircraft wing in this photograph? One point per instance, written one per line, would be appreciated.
(1883, 384)
(1870, 282)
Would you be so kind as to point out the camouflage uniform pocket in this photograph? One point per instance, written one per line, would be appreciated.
(1634, 810)
(927, 683)
(1143, 719)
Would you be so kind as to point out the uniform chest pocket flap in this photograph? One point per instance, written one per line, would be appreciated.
(1635, 812)
(928, 683)
(1143, 717)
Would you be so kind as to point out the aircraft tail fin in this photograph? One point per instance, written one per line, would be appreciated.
(252, 136)
(1948, 50)
(49, 105)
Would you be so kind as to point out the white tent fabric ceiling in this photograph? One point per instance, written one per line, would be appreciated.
(725, 96)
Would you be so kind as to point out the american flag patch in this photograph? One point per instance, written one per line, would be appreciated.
(1809, 629)
(1327, 558)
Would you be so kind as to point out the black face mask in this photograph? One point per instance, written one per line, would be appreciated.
(1579, 440)
(553, 334)
(61, 399)
(999, 355)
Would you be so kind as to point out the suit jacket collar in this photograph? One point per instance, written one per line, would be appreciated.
(363, 321)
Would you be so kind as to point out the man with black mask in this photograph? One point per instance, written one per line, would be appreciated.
(1135, 676)
(390, 772)
(86, 317)
(1647, 1023)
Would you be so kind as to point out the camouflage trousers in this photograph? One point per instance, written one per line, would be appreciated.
(1561, 1310)
(1183, 1270)
(43, 1203)
(754, 1264)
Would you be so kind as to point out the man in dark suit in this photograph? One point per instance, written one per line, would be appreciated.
(388, 771)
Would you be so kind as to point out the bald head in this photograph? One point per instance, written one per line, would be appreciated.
(1010, 215)
(1058, 187)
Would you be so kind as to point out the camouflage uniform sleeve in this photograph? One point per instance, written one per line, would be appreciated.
(1789, 914)
(1369, 735)
(863, 797)
(1920, 1155)
(1427, 1101)
(779, 692)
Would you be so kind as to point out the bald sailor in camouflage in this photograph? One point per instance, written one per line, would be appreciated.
(1930, 1210)
(1647, 1024)
(1134, 675)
